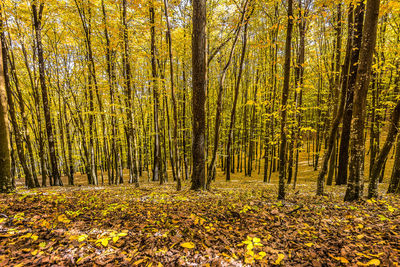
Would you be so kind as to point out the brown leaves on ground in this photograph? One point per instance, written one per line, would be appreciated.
(155, 226)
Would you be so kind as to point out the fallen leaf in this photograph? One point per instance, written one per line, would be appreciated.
(187, 245)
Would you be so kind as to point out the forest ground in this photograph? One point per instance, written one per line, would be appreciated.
(237, 223)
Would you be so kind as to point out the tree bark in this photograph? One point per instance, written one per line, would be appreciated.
(37, 20)
(348, 81)
(233, 112)
(380, 160)
(356, 175)
(174, 105)
(157, 149)
(285, 95)
(218, 113)
(199, 81)
(131, 140)
(394, 185)
(6, 184)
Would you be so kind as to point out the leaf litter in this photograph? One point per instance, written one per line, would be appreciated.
(229, 226)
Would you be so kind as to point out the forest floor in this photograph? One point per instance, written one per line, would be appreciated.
(236, 224)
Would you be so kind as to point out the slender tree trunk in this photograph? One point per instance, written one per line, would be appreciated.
(218, 114)
(349, 74)
(185, 161)
(356, 177)
(131, 140)
(70, 164)
(37, 20)
(252, 126)
(378, 166)
(6, 184)
(300, 74)
(338, 53)
(174, 105)
(17, 132)
(285, 95)
(199, 82)
(157, 149)
(233, 113)
(26, 135)
(394, 185)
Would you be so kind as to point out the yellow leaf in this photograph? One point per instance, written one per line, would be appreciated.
(225, 255)
(63, 218)
(104, 242)
(260, 255)
(82, 238)
(249, 260)
(42, 244)
(375, 262)
(279, 259)
(122, 234)
(341, 259)
(187, 245)
(115, 239)
(363, 255)
(35, 252)
(309, 244)
(360, 236)
(138, 262)
(34, 237)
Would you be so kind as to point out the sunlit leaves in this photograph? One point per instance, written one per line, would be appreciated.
(163, 223)
(279, 259)
(188, 245)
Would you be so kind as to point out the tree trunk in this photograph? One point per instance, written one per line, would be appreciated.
(157, 150)
(199, 81)
(356, 177)
(377, 168)
(233, 113)
(6, 184)
(349, 74)
(394, 185)
(17, 132)
(131, 140)
(336, 86)
(285, 95)
(174, 105)
(37, 20)
(218, 113)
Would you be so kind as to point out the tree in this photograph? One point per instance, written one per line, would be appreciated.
(37, 21)
(199, 81)
(285, 95)
(356, 175)
(157, 150)
(6, 184)
(236, 94)
(218, 114)
(349, 74)
(382, 156)
(394, 185)
(29, 181)
(130, 132)
(174, 105)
